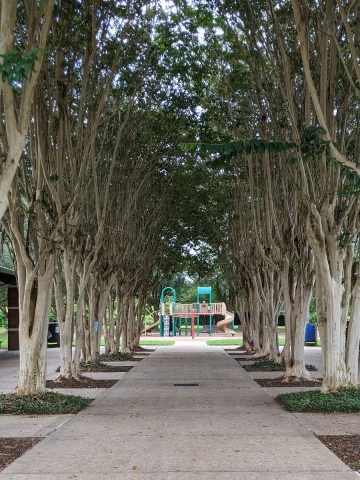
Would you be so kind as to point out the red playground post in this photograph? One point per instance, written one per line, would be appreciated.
(193, 325)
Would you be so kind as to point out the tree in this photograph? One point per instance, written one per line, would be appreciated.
(21, 59)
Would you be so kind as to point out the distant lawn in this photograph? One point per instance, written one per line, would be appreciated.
(164, 343)
(238, 341)
(226, 341)
(3, 338)
(344, 401)
(282, 342)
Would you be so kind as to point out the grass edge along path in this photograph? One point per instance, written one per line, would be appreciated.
(238, 341)
(224, 342)
(49, 403)
(343, 401)
(159, 343)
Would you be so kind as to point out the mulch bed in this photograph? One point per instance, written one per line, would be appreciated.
(235, 350)
(143, 350)
(346, 447)
(239, 352)
(251, 368)
(248, 359)
(13, 448)
(278, 382)
(264, 365)
(132, 359)
(85, 382)
(107, 368)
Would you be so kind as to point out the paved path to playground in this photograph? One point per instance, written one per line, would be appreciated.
(146, 428)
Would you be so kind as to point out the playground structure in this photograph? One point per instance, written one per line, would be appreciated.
(175, 317)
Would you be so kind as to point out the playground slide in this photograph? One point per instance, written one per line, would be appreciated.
(222, 325)
(151, 327)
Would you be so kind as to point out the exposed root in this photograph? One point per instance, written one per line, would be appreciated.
(125, 350)
(299, 379)
(259, 356)
(64, 378)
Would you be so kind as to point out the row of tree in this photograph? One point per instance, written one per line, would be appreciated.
(88, 208)
(96, 98)
(290, 96)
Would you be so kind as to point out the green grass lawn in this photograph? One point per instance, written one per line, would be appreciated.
(238, 341)
(314, 401)
(3, 338)
(223, 342)
(164, 343)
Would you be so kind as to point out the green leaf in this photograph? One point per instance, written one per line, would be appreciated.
(17, 65)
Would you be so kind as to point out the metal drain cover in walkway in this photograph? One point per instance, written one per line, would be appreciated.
(186, 384)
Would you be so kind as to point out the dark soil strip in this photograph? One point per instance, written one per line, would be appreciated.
(13, 448)
(143, 350)
(346, 447)
(278, 382)
(250, 368)
(132, 359)
(247, 359)
(236, 353)
(107, 369)
(235, 350)
(85, 382)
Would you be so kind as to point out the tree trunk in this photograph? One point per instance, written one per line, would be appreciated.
(321, 315)
(125, 330)
(297, 295)
(119, 325)
(336, 374)
(255, 321)
(112, 322)
(34, 306)
(353, 337)
(66, 324)
(104, 293)
(330, 257)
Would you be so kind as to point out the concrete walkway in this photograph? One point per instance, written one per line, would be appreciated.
(145, 428)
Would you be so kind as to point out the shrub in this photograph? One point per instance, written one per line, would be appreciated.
(345, 400)
(42, 404)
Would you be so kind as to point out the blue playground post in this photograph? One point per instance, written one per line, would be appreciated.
(173, 321)
(162, 299)
(204, 291)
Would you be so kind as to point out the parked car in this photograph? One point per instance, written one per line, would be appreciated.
(54, 333)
